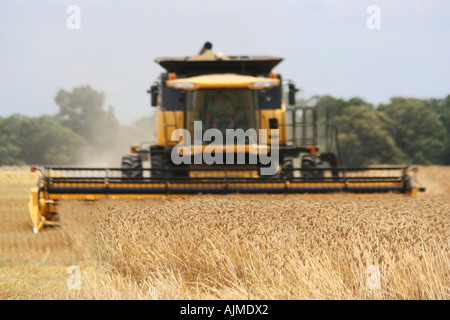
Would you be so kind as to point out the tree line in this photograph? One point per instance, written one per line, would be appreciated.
(83, 132)
(403, 131)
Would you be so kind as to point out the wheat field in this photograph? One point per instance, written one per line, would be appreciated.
(339, 246)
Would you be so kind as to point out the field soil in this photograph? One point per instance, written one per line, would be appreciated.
(339, 246)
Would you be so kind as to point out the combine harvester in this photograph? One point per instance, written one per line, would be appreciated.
(222, 127)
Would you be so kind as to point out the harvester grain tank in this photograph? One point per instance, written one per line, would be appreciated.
(223, 126)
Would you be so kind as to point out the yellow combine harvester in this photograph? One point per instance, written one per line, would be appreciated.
(223, 127)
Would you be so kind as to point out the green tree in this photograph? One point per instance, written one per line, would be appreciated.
(417, 130)
(46, 141)
(9, 141)
(441, 107)
(82, 111)
(80, 108)
(40, 140)
(354, 131)
(336, 106)
(365, 139)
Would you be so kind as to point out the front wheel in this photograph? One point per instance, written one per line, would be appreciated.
(132, 167)
(163, 167)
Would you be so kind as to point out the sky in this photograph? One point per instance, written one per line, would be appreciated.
(340, 48)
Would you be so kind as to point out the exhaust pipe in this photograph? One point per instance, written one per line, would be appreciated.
(206, 46)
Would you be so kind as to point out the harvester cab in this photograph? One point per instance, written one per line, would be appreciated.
(224, 125)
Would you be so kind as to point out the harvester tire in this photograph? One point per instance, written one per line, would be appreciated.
(133, 167)
(162, 160)
(159, 161)
(312, 163)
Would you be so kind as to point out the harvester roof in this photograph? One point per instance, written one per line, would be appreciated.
(240, 65)
(207, 61)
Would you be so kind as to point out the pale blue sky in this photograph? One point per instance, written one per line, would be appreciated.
(326, 44)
